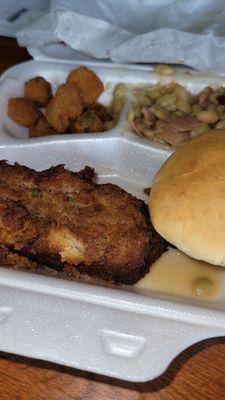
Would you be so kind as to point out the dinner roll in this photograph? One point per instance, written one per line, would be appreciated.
(187, 201)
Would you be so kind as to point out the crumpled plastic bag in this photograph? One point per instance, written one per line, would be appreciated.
(16, 14)
(183, 32)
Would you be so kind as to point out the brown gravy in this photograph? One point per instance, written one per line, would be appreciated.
(178, 274)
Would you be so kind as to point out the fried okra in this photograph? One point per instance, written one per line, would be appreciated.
(88, 83)
(39, 90)
(66, 105)
(73, 108)
(102, 112)
(87, 122)
(41, 128)
(23, 111)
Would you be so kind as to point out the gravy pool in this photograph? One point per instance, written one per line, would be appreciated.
(178, 274)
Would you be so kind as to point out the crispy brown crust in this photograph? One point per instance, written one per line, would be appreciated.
(23, 111)
(41, 128)
(66, 105)
(88, 83)
(38, 90)
(10, 259)
(63, 218)
(87, 122)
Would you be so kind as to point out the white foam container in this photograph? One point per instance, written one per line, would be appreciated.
(119, 332)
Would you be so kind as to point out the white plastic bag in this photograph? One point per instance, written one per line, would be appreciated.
(16, 14)
(183, 32)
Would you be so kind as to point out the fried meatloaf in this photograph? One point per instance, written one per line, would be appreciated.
(66, 221)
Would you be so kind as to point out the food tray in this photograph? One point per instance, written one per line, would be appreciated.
(120, 332)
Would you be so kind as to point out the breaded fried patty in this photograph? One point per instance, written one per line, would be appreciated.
(62, 218)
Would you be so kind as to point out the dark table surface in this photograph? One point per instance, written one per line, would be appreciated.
(197, 373)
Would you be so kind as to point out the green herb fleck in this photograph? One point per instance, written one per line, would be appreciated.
(36, 193)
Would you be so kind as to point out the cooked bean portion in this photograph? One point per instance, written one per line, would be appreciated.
(119, 95)
(208, 116)
(171, 114)
(164, 69)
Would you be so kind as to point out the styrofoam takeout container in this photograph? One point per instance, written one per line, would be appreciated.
(119, 332)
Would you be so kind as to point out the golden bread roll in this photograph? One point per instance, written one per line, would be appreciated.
(187, 201)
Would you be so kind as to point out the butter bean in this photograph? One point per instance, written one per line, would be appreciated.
(178, 113)
(196, 108)
(120, 90)
(166, 100)
(183, 105)
(148, 133)
(201, 128)
(171, 107)
(143, 100)
(117, 106)
(181, 93)
(159, 112)
(154, 94)
(209, 117)
(164, 69)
